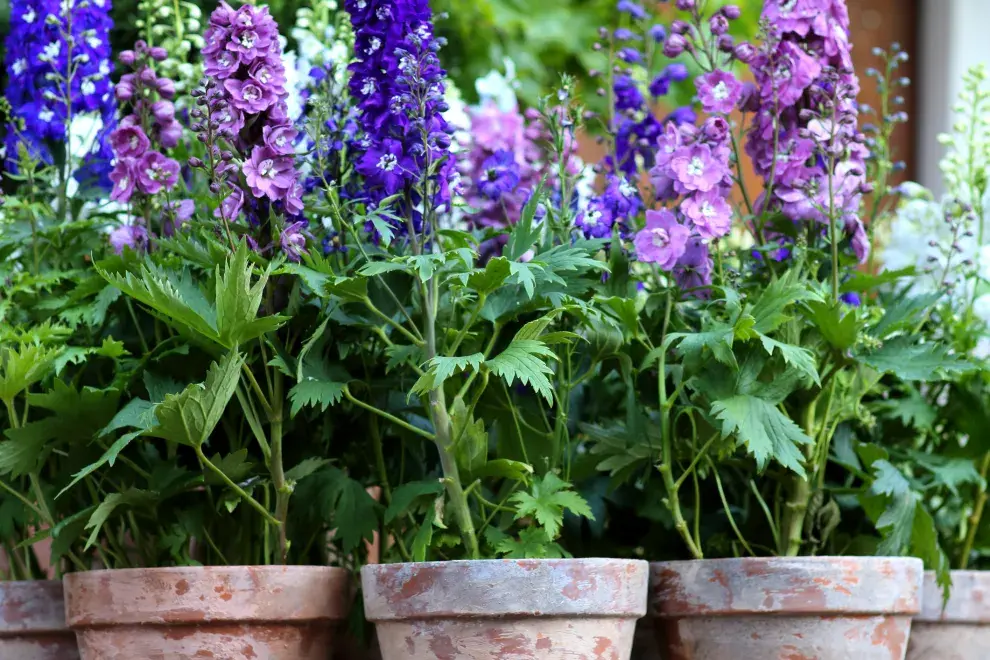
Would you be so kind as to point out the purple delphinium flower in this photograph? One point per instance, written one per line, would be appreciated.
(155, 171)
(696, 168)
(710, 213)
(124, 180)
(851, 298)
(663, 240)
(398, 83)
(176, 214)
(292, 240)
(718, 91)
(134, 237)
(694, 268)
(243, 59)
(627, 94)
(806, 117)
(129, 142)
(596, 220)
(499, 175)
(633, 9)
(658, 33)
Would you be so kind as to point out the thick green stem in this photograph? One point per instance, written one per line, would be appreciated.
(444, 436)
(283, 490)
(974, 520)
(796, 507)
(237, 489)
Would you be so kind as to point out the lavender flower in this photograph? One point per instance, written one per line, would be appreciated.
(663, 240)
(719, 92)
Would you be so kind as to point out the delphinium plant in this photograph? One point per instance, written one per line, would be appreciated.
(753, 351)
(934, 434)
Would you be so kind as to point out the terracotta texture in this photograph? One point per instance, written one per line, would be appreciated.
(240, 612)
(32, 622)
(569, 609)
(816, 608)
(961, 631)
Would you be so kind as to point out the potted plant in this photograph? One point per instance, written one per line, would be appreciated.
(758, 341)
(934, 434)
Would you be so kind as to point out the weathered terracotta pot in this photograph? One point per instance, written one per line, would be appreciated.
(815, 608)
(961, 631)
(568, 609)
(263, 612)
(32, 622)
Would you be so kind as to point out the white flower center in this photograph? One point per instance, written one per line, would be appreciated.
(373, 45)
(720, 91)
(20, 66)
(153, 173)
(225, 60)
(787, 6)
(280, 141)
(368, 88)
(659, 237)
(29, 15)
(124, 182)
(248, 39)
(94, 42)
(46, 115)
(267, 169)
(382, 13)
(252, 93)
(264, 75)
(51, 51)
(87, 87)
(388, 162)
(696, 167)
(707, 210)
(626, 189)
(361, 4)
(591, 218)
(133, 142)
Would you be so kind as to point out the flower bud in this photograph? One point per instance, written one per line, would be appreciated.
(127, 57)
(726, 43)
(680, 27)
(166, 88)
(731, 12)
(686, 5)
(674, 46)
(195, 163)
(744, 52)
(159, 54)
(718, 24)
(147, 75)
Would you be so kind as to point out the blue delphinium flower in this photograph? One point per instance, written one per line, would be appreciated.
(40, 59)
(398, 86)
(499, 175)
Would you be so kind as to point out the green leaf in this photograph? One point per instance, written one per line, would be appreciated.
(314, 279)
(408, 496)
(236, 466)
(106, 508)
(343, 501)
(26, 447)
(238, 301)
(911, 361)
(626, 310)
(838, 329)
(22, 367)
(503, 468)
(470, 446)
(521, 360)
(769, 311)
(717, 337)
(491, 278)
(424, 536)
(348, 289)
(800, 358)
(399, 355)
(524, 235)
(765, 431)
(316, 393)
(911, 410)
(305, 468)
(173, 296)
(904, 313)
(373, 268)
(533, 543)
(189, 417)
(440, 368)
(384, 229)
(546, 502)
(108, 458)
(524, 274)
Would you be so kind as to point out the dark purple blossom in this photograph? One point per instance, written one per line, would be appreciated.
(499, 175)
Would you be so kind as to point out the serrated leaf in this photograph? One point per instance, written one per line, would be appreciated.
(189, 417)
(837, 326)
(384, 229)
(546, 502)
(236, 466)
(765, 431)
(305, 468)
(440, 368)
(533, 543)
(717, 337)
(407, 496)
(109, 504)
(524, 234)
(373, 268)
(22, 367)
(315, 393)
(26, 447)
(769, 310)
(525, 275)
(798, 357)
(489, 279)
(911, 361)
(521, 360)
(348, 289)
(238, 299)
(399, 355)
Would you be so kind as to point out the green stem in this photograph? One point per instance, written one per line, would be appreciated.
(471, 321)
(392, 418)
(391, 322)
(283, 491)
(974, 520)
(237, 489)
(796, 506)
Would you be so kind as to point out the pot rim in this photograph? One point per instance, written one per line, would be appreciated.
(790, 586)
(38, 606)
(969, 599)
(188, 595)
(489, 588)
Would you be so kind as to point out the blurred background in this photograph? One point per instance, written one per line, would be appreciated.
(545, 37)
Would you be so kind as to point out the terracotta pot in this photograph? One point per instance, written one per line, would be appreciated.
(815, 608)
(960, 631)
(263, 612)
(645, 643)
(32, 622)
(567, 609)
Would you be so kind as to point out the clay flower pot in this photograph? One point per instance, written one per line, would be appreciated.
(568, 609)
(961, 631)
(815, 608)
(270, 612)
(32, 622)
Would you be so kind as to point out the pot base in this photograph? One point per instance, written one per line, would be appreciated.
(948, 641)
(495, 639)
(40, 647)
(217, 642)
(785, 638)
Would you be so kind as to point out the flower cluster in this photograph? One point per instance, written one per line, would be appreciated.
(398, 85)
(57, 59)
(243, 57)
(804, 139)
(140, 167)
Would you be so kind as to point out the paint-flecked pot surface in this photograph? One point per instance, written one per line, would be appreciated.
(960, 630)
(32, 622)
(568, 609)
(228, 613)
(817, 608)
